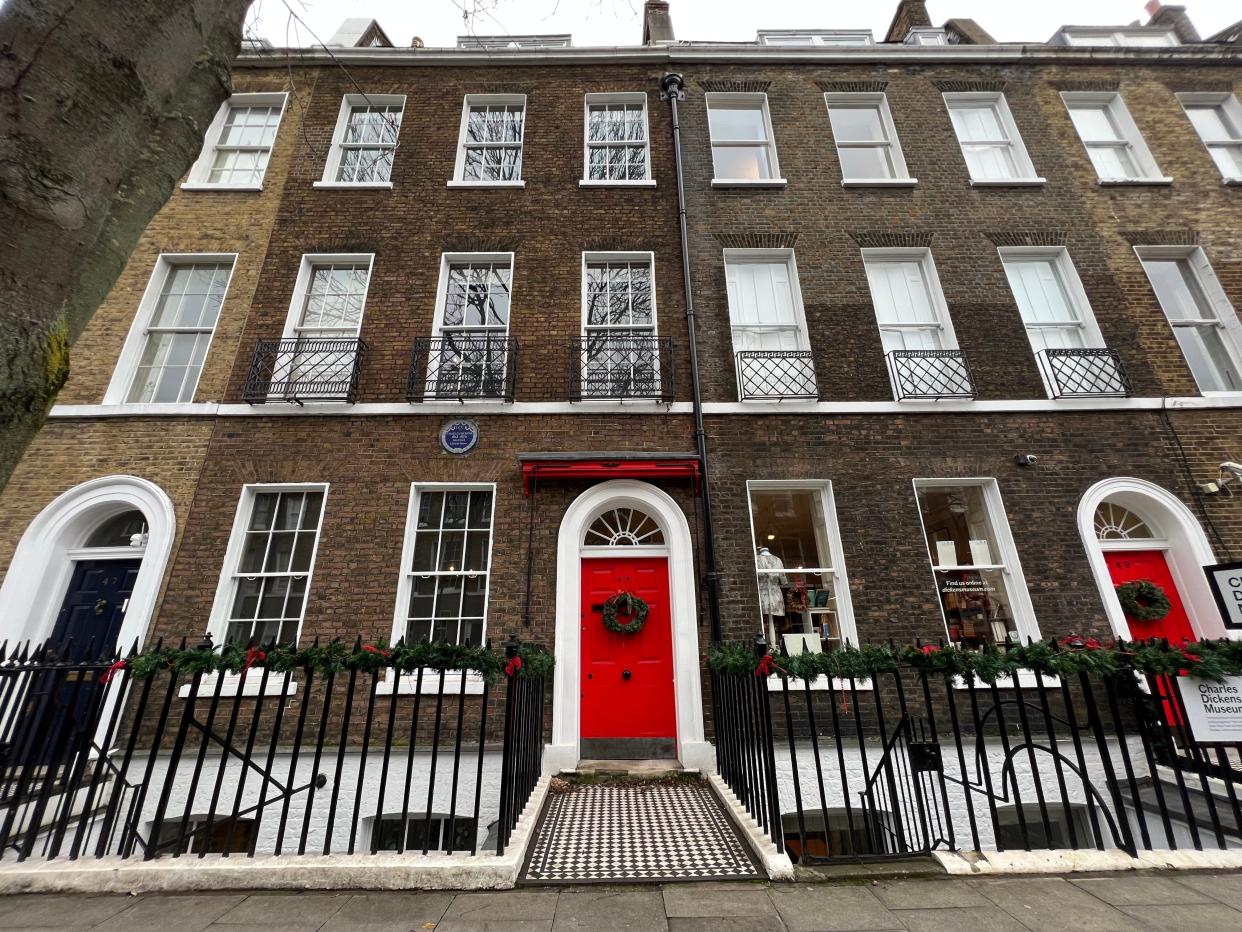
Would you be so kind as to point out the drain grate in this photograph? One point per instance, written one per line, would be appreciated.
(637, 832)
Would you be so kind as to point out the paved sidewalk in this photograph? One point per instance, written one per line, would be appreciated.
(1200, 901)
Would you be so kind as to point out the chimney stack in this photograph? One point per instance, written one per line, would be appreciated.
(1173, 17)
(910, 13)
(657, 24)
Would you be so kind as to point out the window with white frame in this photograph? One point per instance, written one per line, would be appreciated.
(1111, 138)
(422, 832)
(803, 591)
(490, 147)
(865, 137)
(163, 356)
(239, 142)
(1050, 298)
(989, 138)
(619, 356)
(767, 323)
(617, 144)
(1203, 320)
(1119, 37)
(743, 145)
(444, 585)
(978, 578)
(472, 325)
(926, 35)
(329, 297)
(365, 140)
(1217, 118)
(817, 37)
(270, 560)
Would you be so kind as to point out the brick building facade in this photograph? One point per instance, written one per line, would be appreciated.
(810, 453)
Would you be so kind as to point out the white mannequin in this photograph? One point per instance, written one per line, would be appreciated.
(771, 597)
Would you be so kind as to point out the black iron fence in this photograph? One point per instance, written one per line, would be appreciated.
(1084, 373)
(930, 374)
(462, 366)
(606, 366)
(776, 374)
(911, 761)
(304, 369)
(96, 760)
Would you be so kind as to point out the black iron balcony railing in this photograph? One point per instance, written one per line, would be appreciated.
(304, 369)
(776, 374)
(461, 367)
(604, 366)
(929, 374)
(1084, 373)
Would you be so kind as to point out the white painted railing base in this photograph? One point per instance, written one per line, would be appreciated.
(1072, 861)
(775, 863)
(386, 871)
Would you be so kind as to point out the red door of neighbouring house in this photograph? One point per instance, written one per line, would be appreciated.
(628, 705)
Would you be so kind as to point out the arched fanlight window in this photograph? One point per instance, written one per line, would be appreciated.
(1115, 522)
(128, 529)
(624, 527)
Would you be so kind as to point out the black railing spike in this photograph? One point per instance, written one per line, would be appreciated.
(133, 648)
(184, 641)
(4, 647)
(206, 643)
(358, 644)
(761, 646)
(512, 645)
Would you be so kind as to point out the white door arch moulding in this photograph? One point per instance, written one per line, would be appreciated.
(693, 749)
(34, 587)
(1180, 537)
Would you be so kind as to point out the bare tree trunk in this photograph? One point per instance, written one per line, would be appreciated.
(103, 106)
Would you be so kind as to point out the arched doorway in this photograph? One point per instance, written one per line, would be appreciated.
(626, 535)
(90, 565)
(1134, 530)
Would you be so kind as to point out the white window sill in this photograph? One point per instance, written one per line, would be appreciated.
(749, 182)
(1123, 182)
(454, 684)
(640, 183)
(136, 409)
(358, 185)
(819, 684)
(277, 684)
(204, 186)
(1026, 680)
(879, 182)
(1232, 182)
(1008, 182)
(1222, 394)
(486, 184)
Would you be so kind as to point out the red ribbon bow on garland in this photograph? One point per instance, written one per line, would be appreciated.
(111, 672)
(513, 666)
(253, 656)
(766, 665)
(372, 649)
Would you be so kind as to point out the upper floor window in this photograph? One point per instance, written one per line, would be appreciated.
(1203, 320)
(620, 354)
(489, 150)
(469, 355)
(926, 35)
(329, 297)
(768, 327)
(164, 353)
(271, 554)
(1111, 138)
(1217, 118)
(617, 148)
(990, 141)
(743, 145)
(1140, 36)
(866, 139)
(365, 140)
(444, 585)
(239, 143)
(815, 37)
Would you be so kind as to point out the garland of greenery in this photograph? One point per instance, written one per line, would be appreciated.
(337, 657)
(1209, 660)
(1143, 600)
(630, 605)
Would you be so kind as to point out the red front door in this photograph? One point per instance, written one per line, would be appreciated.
(1129, 565)
(628, 706)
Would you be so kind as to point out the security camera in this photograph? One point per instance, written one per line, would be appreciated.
(1025, 459)
(1234, 469)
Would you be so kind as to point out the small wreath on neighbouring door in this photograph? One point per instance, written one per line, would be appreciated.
(1143, 600)
(625, 613)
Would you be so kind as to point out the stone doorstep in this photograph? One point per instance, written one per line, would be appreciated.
(284, 872)
(641, 769)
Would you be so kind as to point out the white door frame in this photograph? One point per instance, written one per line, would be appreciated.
(692, 748)
(42, 565)
(1179, 536)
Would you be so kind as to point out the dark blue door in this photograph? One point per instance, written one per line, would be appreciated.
(95, 604)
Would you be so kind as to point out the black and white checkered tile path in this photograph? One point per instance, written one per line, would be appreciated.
(642, 832)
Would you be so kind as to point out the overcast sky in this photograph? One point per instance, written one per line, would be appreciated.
(619, 22)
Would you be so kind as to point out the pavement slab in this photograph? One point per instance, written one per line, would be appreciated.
(1227, 888)
(36, 911)
(726, 924)
(161, 913)
(814, 909)
(294, 909)
(1052, 904)
(388, 912)
(693, 900)
(1202, 916)
(928, 894)
(1140, 891)
(508, 905)
(959, 919)
(610, 909)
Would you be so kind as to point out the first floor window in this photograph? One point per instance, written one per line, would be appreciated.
(616, 137)
(420, 832)
(446, 576)
(770, 345)
(472, 325)
(970, 548)
(619, 355)
(802, 592)
(276, 539)
(491, 139)
(178, 331)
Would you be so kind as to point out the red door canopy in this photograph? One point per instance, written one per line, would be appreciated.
(627, 679)
(1131, 565)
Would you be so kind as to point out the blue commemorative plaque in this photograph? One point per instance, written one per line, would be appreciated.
(459, 436)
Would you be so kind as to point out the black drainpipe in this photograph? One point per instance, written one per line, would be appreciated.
(672, 90)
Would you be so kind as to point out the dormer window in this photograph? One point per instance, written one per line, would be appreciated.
(925, 35)
(815, 37)
(1105, 36)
